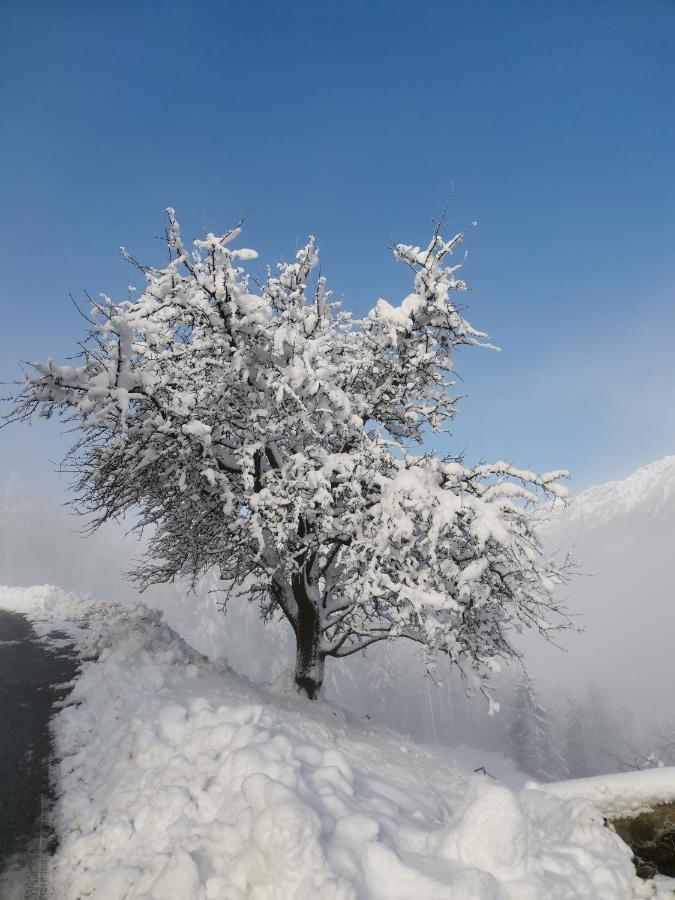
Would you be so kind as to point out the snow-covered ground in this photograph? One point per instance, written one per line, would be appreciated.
(179, 780)
(493, 764)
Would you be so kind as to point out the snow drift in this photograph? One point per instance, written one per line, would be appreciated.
(179, 780)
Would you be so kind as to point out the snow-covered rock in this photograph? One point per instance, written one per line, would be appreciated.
(619, 794)
(179, 780)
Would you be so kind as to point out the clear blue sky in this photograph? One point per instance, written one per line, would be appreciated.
(551, 123)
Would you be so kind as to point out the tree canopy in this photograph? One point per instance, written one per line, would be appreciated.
(260, 428)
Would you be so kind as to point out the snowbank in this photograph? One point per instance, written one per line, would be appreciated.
(622, 794)
(178, 780)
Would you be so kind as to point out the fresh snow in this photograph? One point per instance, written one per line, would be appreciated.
(178, 780)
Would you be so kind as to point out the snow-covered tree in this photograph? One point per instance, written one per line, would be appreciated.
(530, 740)
(578, 743)
(262, 430)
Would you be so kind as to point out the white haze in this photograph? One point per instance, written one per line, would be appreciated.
(621, 537)
(621, 534)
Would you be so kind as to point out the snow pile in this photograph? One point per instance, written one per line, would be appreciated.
(621, 794)
(180, 781)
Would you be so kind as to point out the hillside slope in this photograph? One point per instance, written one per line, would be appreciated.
(180, 780)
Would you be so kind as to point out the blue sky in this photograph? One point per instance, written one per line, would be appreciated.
(550, 123)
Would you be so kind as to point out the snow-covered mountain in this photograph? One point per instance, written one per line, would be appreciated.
(650, 491)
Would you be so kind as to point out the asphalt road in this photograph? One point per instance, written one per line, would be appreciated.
(33, 675)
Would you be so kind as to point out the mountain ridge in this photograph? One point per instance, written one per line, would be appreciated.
(650, 487)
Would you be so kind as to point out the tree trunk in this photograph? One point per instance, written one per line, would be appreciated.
(309, 661)
(309, 665)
